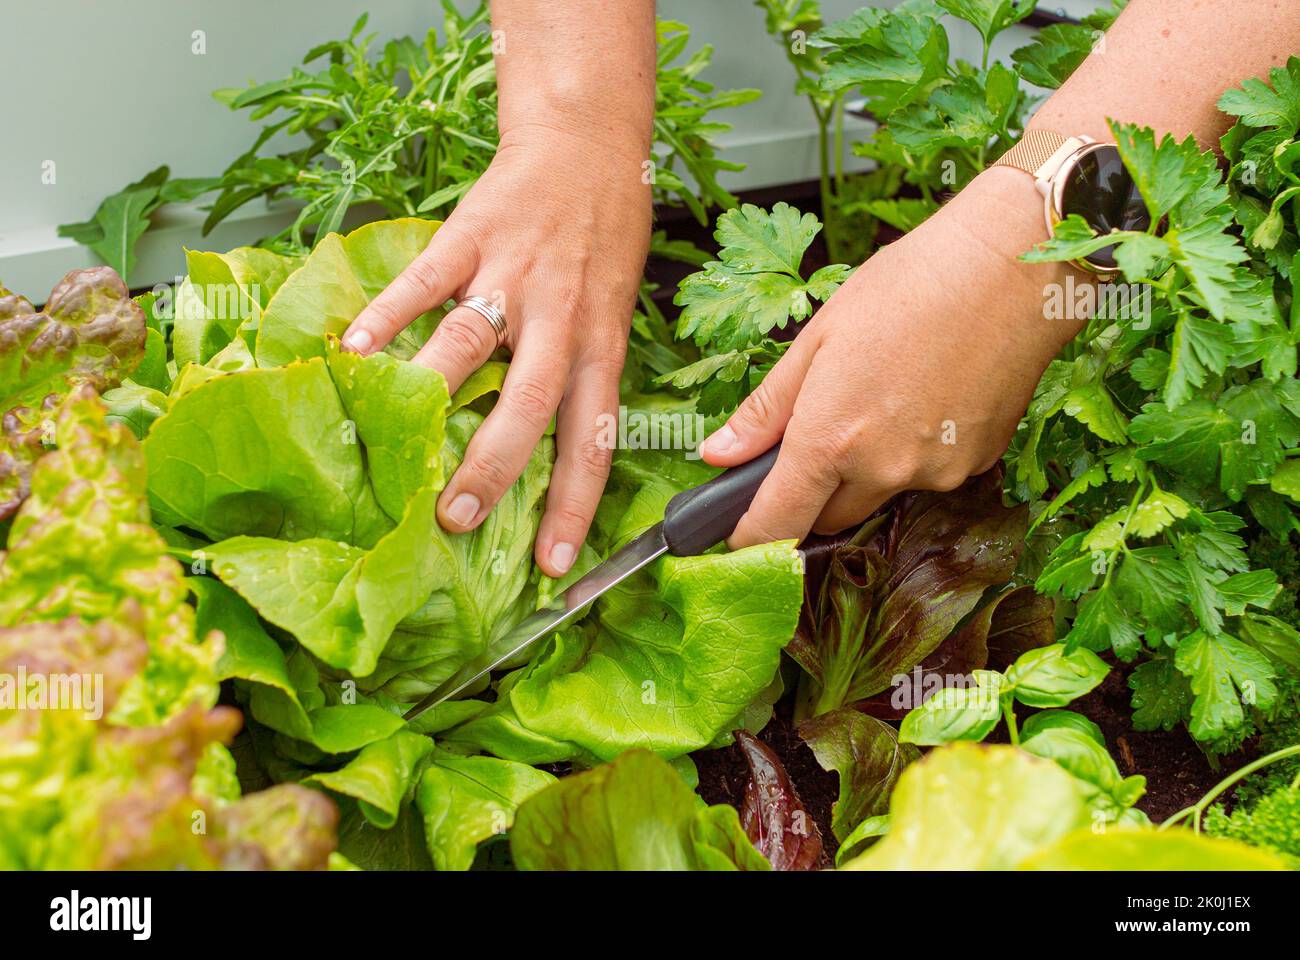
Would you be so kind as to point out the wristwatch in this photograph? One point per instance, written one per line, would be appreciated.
(1078, 175)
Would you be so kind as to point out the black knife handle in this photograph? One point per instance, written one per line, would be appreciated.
(703, 516)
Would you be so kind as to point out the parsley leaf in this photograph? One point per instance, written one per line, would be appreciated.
(990, 17)
(1224, 673)
(1260, 105)
(756, 283)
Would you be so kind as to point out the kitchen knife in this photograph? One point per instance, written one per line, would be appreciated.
(694, 521)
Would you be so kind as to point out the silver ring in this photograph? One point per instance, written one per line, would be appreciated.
(488, 311)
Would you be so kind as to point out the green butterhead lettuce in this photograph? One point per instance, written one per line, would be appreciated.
(302, 481)
(635, 813)
(222, 298)
(338, 279)
(466, 800)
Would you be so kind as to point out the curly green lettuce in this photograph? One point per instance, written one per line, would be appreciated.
(127, 768)
(89, 332)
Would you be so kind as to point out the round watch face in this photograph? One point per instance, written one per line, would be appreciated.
(1099, 189)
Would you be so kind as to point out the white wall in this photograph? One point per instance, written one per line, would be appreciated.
(108, 89)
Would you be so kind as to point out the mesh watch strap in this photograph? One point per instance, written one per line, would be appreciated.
(1035, 148)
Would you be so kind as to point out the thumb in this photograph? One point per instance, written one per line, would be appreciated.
(760, 420)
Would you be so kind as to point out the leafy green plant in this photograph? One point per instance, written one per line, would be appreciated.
(940, 124)
(339, 501)
(404, 131)
(1048, 678)
(635, 813)
(87, 587)
(754, 287)
(969, 806)
(1160, 428)
(888, 598)
(1272, 822)
(89, 333)
(122, 218)
(939, 121)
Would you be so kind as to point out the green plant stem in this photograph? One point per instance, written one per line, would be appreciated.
(1197, 809)
(1009, 715)
(839, 146)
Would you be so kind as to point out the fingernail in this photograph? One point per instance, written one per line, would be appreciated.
(359, 341)
(562, 556)
(720, 442)
(463, 509)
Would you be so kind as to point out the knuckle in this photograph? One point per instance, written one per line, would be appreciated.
(761, 529)
(568, 516)
(892, 474)
(827, 527)
(759, 407)
(566, 304)
(462, 340)
(490, 470)
(531, 399)
(948, 479)
(424, 279)
(386, 314)
(591, 457)
(605, 365)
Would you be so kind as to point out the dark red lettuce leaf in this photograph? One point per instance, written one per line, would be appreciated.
(865, 752)
(772, 814)
(1021, 621)
(883, 601)
(1014, 621)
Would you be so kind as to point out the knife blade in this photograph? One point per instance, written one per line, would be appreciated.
(694, 520)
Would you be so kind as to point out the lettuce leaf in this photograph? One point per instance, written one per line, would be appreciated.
(887, 598)
(304, 479)
(121, 778)
(81, 546)
(90, 332)
(635, 813)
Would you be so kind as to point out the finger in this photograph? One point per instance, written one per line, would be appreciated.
(850, 505)
(581, 465)
(460, 344)
(500, 449)
(432, 279)
(761, 419)
(791, 498)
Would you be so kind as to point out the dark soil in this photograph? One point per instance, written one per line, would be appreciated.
(724, 774)
(1178, 773)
